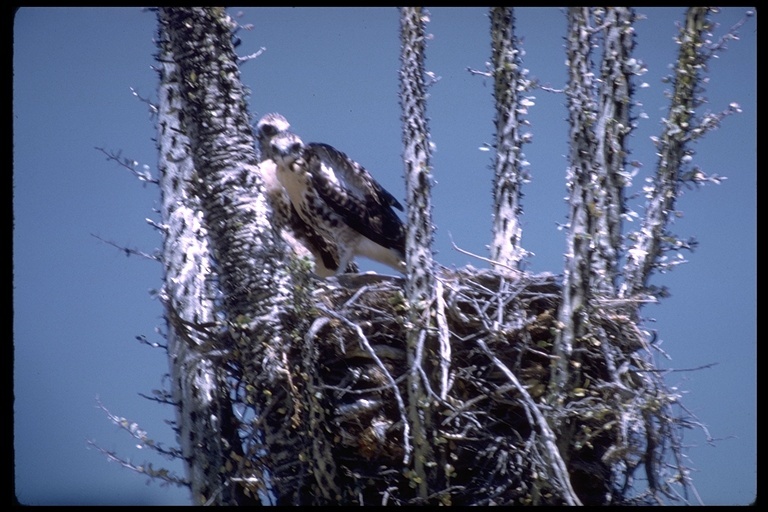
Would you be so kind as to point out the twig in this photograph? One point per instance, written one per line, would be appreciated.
(256, 55)
(548, 88)
(127, 250)
(676, 370)
(137, 433)
(130, 165)
(143, 339)
(444, 340)
(487, 260)
(166, 476)
(153, 109)
(354, 297)
(161, 399)
(558, 465)
(730, 35)
(486, 74)
(400, 404)
(163, 228)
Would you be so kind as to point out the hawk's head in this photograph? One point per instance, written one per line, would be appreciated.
(285, 148)
(267, 128)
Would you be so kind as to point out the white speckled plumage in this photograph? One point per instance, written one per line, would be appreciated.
(338, 197)
(302, 238)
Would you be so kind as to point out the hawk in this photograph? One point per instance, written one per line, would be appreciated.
(300, 236)
(338, 197)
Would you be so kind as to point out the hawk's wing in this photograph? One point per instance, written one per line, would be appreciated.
(326, 253)
(350, 191)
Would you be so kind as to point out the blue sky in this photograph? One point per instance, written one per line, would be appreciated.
(79, 303)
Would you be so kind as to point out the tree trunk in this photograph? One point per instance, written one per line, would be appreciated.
(224, 280)
(420, 276)
(509, 172)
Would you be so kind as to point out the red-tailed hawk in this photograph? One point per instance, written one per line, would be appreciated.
(297, 234)
(340, 199)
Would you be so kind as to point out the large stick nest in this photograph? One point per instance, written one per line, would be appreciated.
(339, 413)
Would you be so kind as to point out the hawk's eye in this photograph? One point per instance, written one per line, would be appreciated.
(269, 130)
(295, 147)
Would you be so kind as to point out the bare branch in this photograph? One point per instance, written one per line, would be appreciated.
(137, 433)
(496, 264)
(730, 35)
(167, 477)
(130, 165)
(256, 55)
(548, 88)
(153, 110)
(128, 251)
(487, 74)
